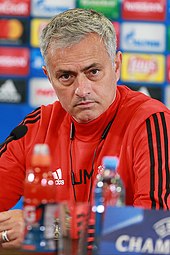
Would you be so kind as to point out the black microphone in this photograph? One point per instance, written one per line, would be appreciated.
(15, 134)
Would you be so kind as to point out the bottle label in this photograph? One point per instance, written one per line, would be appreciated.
(40, 227)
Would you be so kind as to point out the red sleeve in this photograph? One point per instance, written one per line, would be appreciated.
(13, 158)
(152, 162)
(12, 175)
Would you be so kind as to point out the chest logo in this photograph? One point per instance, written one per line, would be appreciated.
(57, 174)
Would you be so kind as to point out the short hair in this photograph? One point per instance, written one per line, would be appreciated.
(70, 27)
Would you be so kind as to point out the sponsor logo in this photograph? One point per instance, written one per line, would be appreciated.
(103, 3)
(14, 61)
(15, 8)
(36, 27)
(127, 243)
(58, 177)
(41, 92)
(145, 91)
(117, 30)
(167, 96)
(162, 227)
(168, 11)
(81, 178)
(13, 31)
(30, 213)
(46, 8)
(168, 68)
(109, 8)
(146, 10)
(152, 91)
(36, 63)
(143, 37)
(8, 92)
(12, 91)
(168, 37)
(143, 68)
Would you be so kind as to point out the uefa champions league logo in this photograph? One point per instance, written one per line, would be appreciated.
(147, 245)
(162, 227)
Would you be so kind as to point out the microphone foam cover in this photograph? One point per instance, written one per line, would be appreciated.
(19, 132)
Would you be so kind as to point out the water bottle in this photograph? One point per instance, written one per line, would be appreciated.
(109, 191)
(39, 205)
(113, 191)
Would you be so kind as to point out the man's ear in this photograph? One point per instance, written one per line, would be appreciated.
(118, 63)
(44, 68)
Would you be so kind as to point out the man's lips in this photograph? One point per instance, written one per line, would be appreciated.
(85, 103)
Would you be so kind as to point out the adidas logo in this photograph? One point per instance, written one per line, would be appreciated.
(58, 177)
(145, 91)
(8, 92)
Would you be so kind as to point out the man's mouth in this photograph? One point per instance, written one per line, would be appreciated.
(85, 104)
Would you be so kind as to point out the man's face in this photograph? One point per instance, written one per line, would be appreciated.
(83, 77)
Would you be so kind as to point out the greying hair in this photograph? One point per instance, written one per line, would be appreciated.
(71, 26)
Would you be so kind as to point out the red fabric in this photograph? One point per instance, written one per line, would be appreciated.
(139, 136)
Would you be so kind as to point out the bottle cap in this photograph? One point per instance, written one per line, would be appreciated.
(41, 149)
(110, 162)
(41, 155)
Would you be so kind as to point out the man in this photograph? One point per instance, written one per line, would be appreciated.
(93, 118)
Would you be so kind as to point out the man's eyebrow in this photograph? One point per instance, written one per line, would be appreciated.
(82, 70)
(63, 71)
(90, 66)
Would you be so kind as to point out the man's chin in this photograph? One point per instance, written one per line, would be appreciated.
(85, 117)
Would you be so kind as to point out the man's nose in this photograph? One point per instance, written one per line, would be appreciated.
(83, 86)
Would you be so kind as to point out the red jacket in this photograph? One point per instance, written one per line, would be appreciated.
(139, 135)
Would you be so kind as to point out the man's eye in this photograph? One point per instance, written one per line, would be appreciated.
(66, 79)
(65, 76)
(94, 71)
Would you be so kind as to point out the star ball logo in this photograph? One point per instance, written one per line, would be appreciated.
(162, 227)
(149, 245)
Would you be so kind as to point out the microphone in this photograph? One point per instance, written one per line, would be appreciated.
(17, 133)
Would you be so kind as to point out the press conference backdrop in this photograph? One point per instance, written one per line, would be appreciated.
(143, 33)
